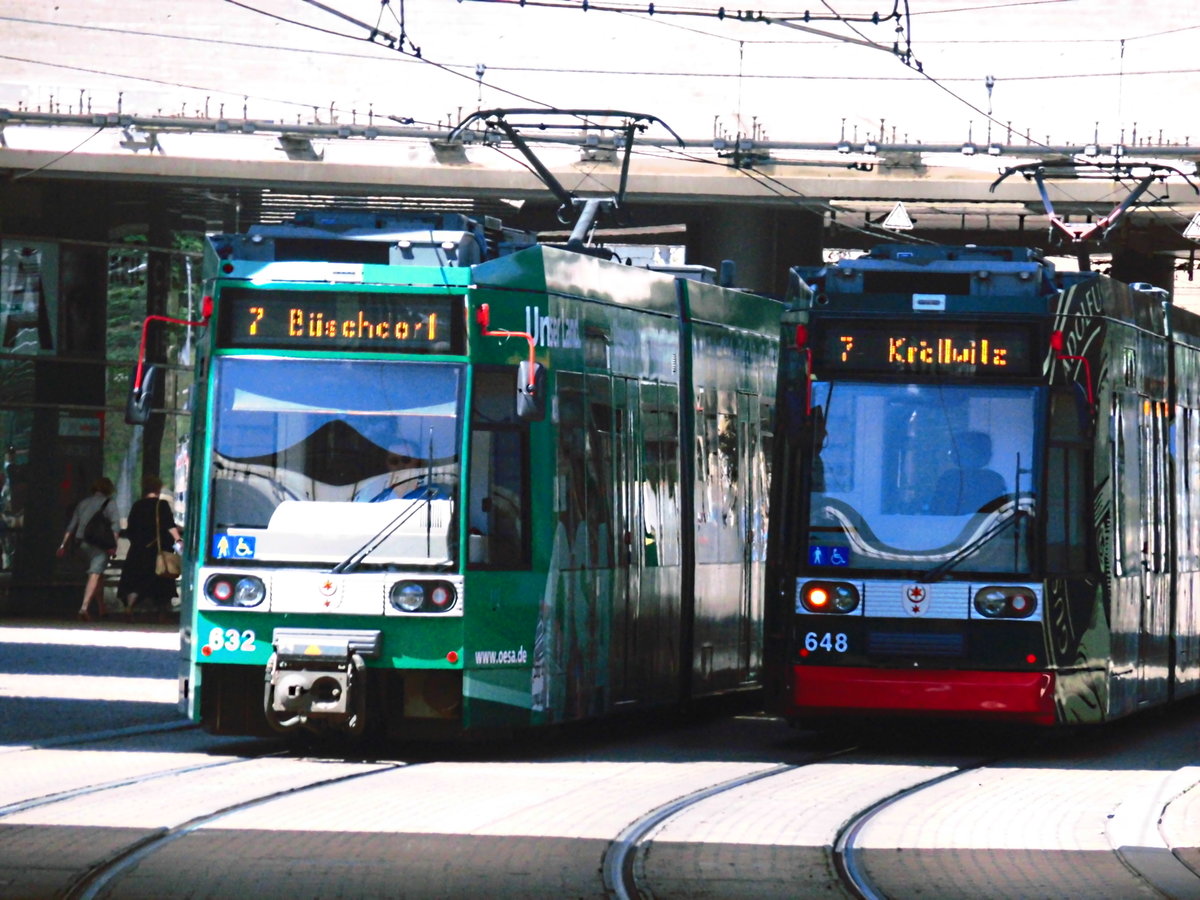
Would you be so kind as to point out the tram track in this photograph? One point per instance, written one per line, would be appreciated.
(619, 869)
(705, 824)
(54, 797)
(625, 870)
(74, 793)
(92, 883)
(108, 734)
(90, 871)
(847, 858)
(1150, 861)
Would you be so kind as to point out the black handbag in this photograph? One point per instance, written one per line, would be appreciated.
(98, 532)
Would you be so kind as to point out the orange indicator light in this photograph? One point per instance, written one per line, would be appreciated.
(818, 597)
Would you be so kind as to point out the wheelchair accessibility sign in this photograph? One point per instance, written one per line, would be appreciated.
(233, 546)
(820, 555)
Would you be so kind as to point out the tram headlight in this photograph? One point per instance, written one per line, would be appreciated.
(245, 591)
(829, 597)
(249, 591)
(996, 602)
(407, 596)
(422, 596)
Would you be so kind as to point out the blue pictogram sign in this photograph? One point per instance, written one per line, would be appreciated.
(233, 546)
(822, 555)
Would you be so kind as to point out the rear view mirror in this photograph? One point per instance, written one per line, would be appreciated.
(531, 391)
(140, 401)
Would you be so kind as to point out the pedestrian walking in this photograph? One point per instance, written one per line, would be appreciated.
(151, 528)
(93, 528)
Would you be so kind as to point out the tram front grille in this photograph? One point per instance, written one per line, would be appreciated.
(899, 643)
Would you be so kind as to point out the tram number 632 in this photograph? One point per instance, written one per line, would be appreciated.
(232, 639)
(837, 643)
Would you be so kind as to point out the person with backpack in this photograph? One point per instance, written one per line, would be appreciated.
(94, 524)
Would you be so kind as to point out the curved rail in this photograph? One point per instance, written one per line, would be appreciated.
(72, 793)
(620, 877)
(845, 847)
(95, 880)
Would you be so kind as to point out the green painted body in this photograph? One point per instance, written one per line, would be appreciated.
(607, 555)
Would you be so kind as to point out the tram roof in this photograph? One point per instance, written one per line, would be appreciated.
(565, 273)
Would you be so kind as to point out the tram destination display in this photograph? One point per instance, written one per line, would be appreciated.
(340, 320)
(907, 347)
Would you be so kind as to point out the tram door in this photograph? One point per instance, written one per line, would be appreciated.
(1153, 650)
(1141, 618)
(627, 654)
(752, 531)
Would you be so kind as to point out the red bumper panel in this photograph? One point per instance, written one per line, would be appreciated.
(1017, 696)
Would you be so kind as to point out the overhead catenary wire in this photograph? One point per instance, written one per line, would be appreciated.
(374, 34)
(17, 176)
(642, 16)
(784, 191)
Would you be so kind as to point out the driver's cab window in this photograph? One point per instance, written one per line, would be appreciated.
(498, 504)
(954, 454)
(905, 475)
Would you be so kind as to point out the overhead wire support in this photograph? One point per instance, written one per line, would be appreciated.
(1077, 233)
(740, 15)
(786, 20)
(585, 211)
(392, 41)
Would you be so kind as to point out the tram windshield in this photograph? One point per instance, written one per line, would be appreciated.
(926, 479)
(315, 460)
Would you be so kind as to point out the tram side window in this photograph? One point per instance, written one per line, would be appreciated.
(1127, 478)
(600, 484)
(1067, 493)
(1188, 492)
(1156, 505)
(660, 490)
(570, 495)
(498, 532)
(583, 495)
(729, 494)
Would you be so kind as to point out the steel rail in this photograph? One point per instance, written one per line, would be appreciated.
(617, 867)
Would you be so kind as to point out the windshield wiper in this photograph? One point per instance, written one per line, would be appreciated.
(971, 546)
(352, 562)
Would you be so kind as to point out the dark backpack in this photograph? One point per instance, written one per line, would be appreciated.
(98, 532)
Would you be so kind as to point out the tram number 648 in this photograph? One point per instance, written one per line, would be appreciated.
(838, 643)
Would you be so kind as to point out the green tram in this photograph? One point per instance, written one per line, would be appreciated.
(447, 481)
(986, 500)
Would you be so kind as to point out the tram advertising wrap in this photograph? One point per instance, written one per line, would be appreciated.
(446, 481)
(984, 500)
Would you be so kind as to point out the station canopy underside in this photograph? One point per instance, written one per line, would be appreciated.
(219, 181)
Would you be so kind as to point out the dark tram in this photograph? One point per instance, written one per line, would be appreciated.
(985, 492)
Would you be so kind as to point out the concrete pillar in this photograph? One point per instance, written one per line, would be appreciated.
(63, 445)
(764, 243)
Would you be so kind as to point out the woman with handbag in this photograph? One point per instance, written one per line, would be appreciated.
(152, 531)
(94, 524)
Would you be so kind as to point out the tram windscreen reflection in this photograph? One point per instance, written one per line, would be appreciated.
(905, 476)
